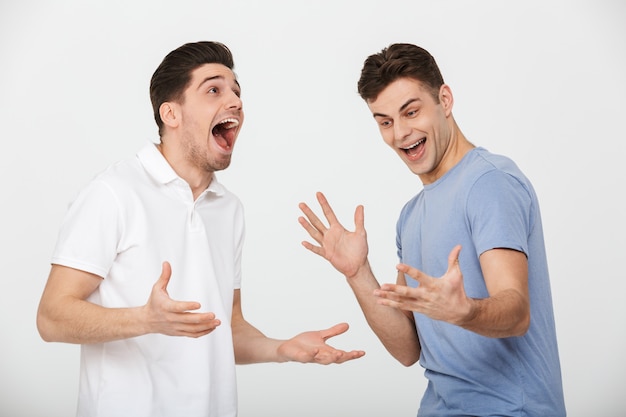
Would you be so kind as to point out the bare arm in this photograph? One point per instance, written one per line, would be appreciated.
(252, 346)
(505, 313)
(347, 252)
(65, 315)
(394, 327)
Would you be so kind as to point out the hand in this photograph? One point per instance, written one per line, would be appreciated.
(311, 346)
(440, 299)
(346, 251)
(174, 318)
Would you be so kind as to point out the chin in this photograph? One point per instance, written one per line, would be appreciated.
(220, 165)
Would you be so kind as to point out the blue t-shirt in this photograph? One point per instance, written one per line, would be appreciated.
(482, 203)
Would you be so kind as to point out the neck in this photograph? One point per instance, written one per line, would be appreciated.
(197, 179)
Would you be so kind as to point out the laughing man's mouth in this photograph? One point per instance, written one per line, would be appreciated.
(413, 148)
(224, 132)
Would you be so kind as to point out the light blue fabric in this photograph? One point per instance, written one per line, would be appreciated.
(484, 202)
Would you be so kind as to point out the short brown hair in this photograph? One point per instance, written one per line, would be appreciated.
(399, 60)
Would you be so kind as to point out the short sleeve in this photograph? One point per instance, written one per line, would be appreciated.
(90, 233)
(499, 212)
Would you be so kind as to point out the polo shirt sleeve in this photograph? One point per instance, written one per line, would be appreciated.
(499, 212)
(240, 232)
(89, 235)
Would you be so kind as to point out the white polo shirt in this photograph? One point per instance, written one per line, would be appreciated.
(123, 226)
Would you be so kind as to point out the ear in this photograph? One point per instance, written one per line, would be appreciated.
(170, 115)
(446, 99)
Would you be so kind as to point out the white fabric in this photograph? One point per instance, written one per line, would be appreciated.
(123, 226)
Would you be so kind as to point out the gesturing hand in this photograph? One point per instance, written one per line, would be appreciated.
(345, 250)
(311, 346)
(440, 299)
(175, 318)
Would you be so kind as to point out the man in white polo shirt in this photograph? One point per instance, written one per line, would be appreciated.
(146, 272)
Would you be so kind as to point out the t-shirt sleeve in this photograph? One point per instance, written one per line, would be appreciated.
(89, 235)
(499, 212)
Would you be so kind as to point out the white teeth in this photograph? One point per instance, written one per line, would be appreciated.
(230, 123)
(416, 144)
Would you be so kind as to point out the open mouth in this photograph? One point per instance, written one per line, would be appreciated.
(225, 132)
(414, 149)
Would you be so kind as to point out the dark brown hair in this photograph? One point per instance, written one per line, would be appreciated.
(173, 75)
(399, 60)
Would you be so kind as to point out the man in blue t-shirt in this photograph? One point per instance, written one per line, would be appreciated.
(472, 301)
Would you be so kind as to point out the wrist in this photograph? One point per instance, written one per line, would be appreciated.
(362, 270)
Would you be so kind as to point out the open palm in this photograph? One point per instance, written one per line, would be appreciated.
(345, 250)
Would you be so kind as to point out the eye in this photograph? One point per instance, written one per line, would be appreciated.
(411, 113)
(213, 90)
(385, 123)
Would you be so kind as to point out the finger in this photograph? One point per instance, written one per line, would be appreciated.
(164, 279)
(315, 249)
(327, 357)
(348, 356)
(390, 303)
(453, 258)
(336, 330)
(313, 219)
(359, 219)
(162, 283)
(328, 211)
(189, 306)
(197, 321)
(198, 330)
(391, 292)
(414, 273)
(312, 231)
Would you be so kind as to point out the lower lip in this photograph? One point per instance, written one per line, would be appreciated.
(225, 151)
(414, 155)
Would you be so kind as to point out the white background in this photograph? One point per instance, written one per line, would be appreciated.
(539, 81)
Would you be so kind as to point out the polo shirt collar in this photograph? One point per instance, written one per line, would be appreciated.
(158, 168)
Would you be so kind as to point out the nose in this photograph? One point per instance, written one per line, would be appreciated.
(401, 129)
(233, 101)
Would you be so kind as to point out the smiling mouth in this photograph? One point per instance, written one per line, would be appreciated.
(414, 149)
(224, 132)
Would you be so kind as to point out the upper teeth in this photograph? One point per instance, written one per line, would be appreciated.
(232, 123)
(419, 142)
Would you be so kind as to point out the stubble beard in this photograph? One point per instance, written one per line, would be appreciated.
(201, 157)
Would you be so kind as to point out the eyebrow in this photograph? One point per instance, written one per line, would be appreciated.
(402, 107)
(216, 77)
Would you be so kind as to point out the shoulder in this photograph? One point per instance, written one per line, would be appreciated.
(495, 164)
(485, 172)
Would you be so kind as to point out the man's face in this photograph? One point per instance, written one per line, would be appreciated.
(212, 116)
(414, 125)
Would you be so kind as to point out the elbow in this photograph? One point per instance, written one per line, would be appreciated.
(45, 328)
(407, 362)
(43, 331)
(523, 325)
(407, 359)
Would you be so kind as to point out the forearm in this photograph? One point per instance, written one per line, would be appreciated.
(78, 321)
(252, 346)
(394, 327)
(505, 314)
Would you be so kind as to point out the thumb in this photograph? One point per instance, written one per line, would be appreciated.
(453, 258)
(164, 279)
(336, 330)
(359, 218)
